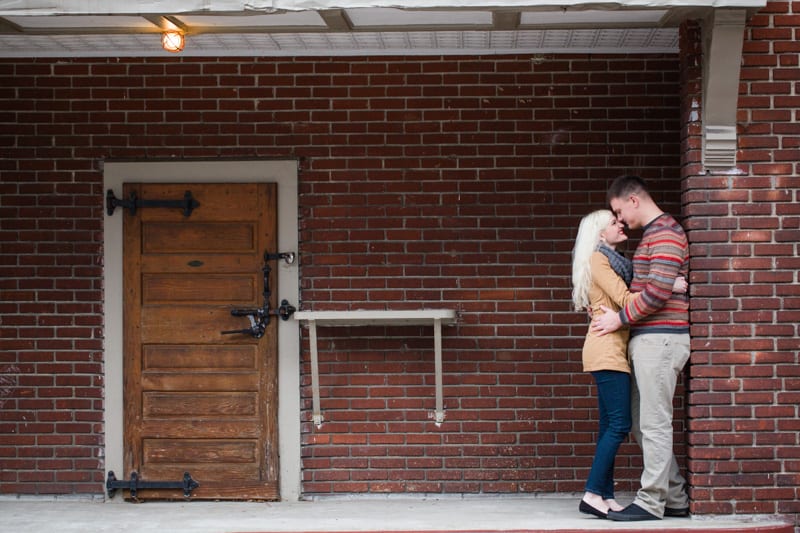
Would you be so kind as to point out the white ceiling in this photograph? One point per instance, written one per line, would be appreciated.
(93, 28)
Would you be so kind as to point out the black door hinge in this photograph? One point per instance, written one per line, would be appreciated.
(112, 484)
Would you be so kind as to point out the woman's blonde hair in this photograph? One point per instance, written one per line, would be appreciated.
(587, 241)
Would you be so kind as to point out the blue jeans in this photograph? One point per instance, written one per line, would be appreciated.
(614, 401)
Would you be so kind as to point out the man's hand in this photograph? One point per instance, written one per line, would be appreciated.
(608, 322)
(680, 286)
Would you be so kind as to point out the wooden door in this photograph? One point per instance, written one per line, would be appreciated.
(196, 400)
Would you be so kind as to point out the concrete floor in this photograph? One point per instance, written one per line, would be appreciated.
(354, 514)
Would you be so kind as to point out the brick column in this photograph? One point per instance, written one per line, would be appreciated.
(743, 232)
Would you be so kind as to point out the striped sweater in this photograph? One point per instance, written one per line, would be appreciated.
(662, 255)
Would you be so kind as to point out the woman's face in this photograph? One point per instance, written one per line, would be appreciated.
(614, 233)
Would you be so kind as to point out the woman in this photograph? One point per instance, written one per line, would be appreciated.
(600, 276)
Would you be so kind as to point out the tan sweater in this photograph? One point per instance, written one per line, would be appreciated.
(610, 351)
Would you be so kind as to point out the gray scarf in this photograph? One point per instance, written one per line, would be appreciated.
(621, 264)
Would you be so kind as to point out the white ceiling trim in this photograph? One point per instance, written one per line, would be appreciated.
(610, 41)
(102, 28)
(62, 7)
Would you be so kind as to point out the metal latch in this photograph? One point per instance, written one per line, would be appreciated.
(259, 316)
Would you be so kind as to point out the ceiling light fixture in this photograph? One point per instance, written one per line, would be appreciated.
(173, 41)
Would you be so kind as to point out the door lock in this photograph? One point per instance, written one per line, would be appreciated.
(259, 316)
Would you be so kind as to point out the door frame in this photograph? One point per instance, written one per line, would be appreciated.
(285, 174)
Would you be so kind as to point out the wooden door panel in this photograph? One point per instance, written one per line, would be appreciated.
(173, 237)
(199, 401)
(199, 428)
(201, 263)
(171, 405)
(216, 452)
(200, 357)
(198, 382)
(187, 324)
(182, 287)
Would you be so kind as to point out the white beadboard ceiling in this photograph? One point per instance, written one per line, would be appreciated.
(102, 28)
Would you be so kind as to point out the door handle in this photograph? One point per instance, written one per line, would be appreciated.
(259, 318)
(288, 257)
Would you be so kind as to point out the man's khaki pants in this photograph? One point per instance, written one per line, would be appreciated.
(657, 360)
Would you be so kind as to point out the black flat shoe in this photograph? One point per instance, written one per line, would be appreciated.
(588, 509)
(676, 512)
(632, 513)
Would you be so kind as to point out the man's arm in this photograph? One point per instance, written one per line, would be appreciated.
(666, 248)
(666, 254)
(610, 320)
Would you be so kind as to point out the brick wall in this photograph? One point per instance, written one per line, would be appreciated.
(744, 230)
(450, 182)
(471, 202)
(51, 358)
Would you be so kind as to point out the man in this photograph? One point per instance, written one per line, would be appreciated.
(658, 346)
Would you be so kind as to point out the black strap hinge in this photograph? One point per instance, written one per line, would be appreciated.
(187, 204)
(113, 484)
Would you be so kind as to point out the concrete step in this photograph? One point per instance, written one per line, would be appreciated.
(365, 514)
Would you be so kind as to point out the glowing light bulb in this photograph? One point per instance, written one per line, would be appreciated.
(173, 41)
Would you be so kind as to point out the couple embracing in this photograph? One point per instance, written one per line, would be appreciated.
(636, 346)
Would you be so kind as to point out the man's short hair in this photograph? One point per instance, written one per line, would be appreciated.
(624, 186)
